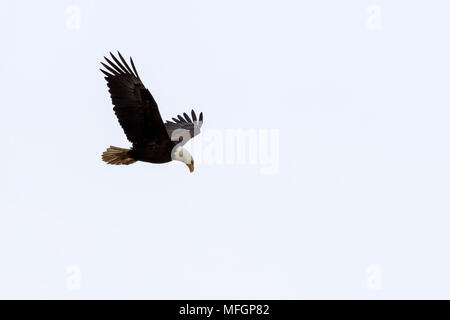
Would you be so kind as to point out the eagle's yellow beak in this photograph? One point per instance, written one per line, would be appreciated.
(191, 167)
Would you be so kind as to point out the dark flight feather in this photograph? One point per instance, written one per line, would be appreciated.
(117, 63)
(134, 68)
(116, 67)
(114, 72)
(125, 64)
(106, 73)
(187, 117)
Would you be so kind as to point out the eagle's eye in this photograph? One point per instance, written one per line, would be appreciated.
(181, 154)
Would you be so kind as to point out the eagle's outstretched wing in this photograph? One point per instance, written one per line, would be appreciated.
(134, 105)
(184, 127)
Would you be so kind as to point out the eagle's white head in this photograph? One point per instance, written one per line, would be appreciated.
(181, 154)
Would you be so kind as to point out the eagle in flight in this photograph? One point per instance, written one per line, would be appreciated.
(153, 140)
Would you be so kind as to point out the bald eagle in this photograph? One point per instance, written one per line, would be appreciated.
(153, 140)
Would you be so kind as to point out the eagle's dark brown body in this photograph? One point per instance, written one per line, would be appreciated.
(138, 114)
(152, 152)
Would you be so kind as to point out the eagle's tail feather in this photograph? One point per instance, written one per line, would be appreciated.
(115, 155)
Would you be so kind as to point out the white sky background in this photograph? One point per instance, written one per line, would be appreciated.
(359, 207)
